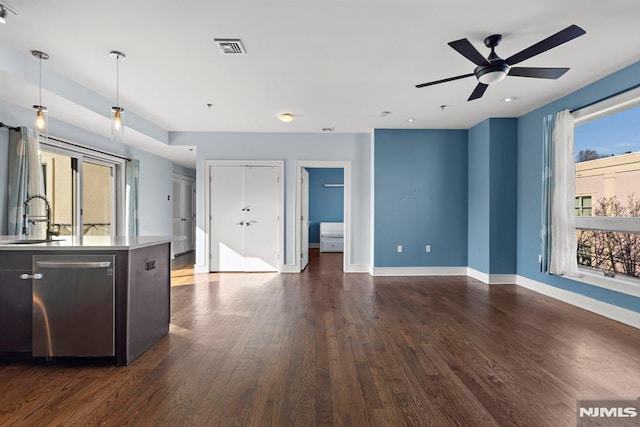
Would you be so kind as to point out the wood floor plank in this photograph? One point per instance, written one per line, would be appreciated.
(324, 348)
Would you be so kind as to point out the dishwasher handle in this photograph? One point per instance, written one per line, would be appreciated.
(73, 264)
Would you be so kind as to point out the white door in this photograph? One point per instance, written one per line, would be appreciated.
(183, 209)
(227, 218)
(244, 220)
(304, 221)
(188, 212)
(261, 218)
(177, 244)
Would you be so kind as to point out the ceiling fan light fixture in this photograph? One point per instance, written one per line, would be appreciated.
(492, 73)
(3, 15)
(286, 117)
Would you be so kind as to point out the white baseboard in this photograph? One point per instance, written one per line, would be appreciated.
(290, 268)
(419, 271)
(200, 269)
(357, 268)
(492, 279)
(622, 315)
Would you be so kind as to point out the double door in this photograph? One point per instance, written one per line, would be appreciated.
(244, 221)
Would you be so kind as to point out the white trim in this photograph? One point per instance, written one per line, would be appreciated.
(357, 268)
(478, 275)
(177, 175)
(607, 223)
(207, 202)
(620, 283)
(419, 271)
(200, 269)
(492, 279)
(622, 315)
(607, 106)
(288, 268)
(346, 167)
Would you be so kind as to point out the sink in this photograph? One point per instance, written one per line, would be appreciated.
(29, 241)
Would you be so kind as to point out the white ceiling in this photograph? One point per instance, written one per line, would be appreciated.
(333, 63)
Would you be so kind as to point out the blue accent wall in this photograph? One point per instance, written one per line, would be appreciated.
(326, 204)
(492, 196)
(420, 190)
(479, 195)
(503, 197)
(529, 185)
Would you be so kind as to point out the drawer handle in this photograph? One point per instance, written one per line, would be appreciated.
(89, 264)
(26, 276)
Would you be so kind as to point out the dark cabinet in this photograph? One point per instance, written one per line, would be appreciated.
(15, 303)
(141, 297)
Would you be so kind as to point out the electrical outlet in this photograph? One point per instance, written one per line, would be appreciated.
(399, 249)
(428, 248)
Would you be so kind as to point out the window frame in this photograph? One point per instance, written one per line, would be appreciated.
(619, 283)
(79, 155)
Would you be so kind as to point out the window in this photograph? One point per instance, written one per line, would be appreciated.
(84, 188)
(583, 205)
(607, 201)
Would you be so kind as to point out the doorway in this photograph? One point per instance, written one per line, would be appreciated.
(184, 190)
(307, 227)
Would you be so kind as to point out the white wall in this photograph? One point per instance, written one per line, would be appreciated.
(289, 147)
(156, 173)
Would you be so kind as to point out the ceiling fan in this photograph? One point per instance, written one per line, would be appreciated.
(493, 68)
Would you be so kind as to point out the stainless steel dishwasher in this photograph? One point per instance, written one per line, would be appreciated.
(73, 305)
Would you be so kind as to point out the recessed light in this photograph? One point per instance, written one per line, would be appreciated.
(509, 99)
(286, 117)
(411, 120)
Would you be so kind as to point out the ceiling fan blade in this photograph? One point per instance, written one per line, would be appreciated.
(478, 91)
(538, 73)
(450, 79)
(562, 36)
(466, 49)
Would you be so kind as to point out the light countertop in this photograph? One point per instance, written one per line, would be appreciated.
(21, 243)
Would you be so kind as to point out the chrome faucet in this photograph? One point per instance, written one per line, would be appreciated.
(50, 230)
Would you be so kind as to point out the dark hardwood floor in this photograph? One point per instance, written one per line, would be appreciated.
(327, 348)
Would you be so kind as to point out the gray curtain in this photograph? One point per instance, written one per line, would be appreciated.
(547, 190)
(132, 178)
(25, 179)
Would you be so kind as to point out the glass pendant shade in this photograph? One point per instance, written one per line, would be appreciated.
(40, 120)
(117, 124)
(117, 113)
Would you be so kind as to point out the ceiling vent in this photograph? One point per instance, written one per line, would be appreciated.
(230, 46)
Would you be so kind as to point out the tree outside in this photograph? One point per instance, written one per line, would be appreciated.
(611, 252)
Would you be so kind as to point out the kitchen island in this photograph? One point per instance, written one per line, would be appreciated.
(139, 295)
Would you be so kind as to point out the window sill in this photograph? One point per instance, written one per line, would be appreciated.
(620, 283)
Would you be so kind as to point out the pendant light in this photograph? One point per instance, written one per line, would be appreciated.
(117, 113)
(40, 120)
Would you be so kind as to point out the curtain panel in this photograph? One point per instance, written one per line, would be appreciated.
(25, 179)
(561, 232)
(132, 178)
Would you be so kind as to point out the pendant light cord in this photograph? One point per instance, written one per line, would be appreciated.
(118, 82)
(40, 80)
